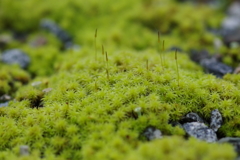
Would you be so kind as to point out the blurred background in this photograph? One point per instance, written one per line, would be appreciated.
(188, 25)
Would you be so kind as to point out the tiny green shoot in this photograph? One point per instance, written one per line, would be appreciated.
(95, 45)
(163, 49)
(103, 52)
(107, 66)
(159, 49)
(147, 65)
(177, 66)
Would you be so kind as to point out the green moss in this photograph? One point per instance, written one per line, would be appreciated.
(12, 78)
(172, 147)
(89, 116)
(86, 110)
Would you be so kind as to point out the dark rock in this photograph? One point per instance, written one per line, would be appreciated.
(20, 36)
(216, 68)
(5, 104)
(216, 120)
(197, 56)
(5, 98)
(191, 117)
(230, 36)
(232, 140)
(15, 56)
(63, 36)
(200, 131)
(195, 117)
(152, 133)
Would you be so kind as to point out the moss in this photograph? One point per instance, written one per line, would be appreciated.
(12, 78)
(77, 115)
(172, 147)
(87, 115)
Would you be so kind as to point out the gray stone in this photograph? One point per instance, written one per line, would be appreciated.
(62, 35)
(47, 90)
(231, 23)
(200, 131)
(15, 56)
(230, 36)
(5, 98)
(152, 133)
(36, 84)
(195, 117)
(198, 55)
(234, 9)
(216, 120)
(24, 150)
(215, 67)
(5, 104)
(191, 117)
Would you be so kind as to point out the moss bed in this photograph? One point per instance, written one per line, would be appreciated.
(87, 111)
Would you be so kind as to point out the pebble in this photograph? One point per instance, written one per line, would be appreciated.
(36, 84)
(5, 104)
(24, 150)
(152, 133)
(20, 36)
(216, 120)
(63, 36)
(193, 117)
(197, 56)
(200, 131)
(230, 36)
(215, 67)
(5, 98)
(231, 23)
(15, 56)
(234, 9)
(47, 90)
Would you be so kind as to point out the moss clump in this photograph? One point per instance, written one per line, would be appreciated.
(12, 78)
(85, 113)
(172, 147)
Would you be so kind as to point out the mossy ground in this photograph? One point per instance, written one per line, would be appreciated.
(89, 115)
